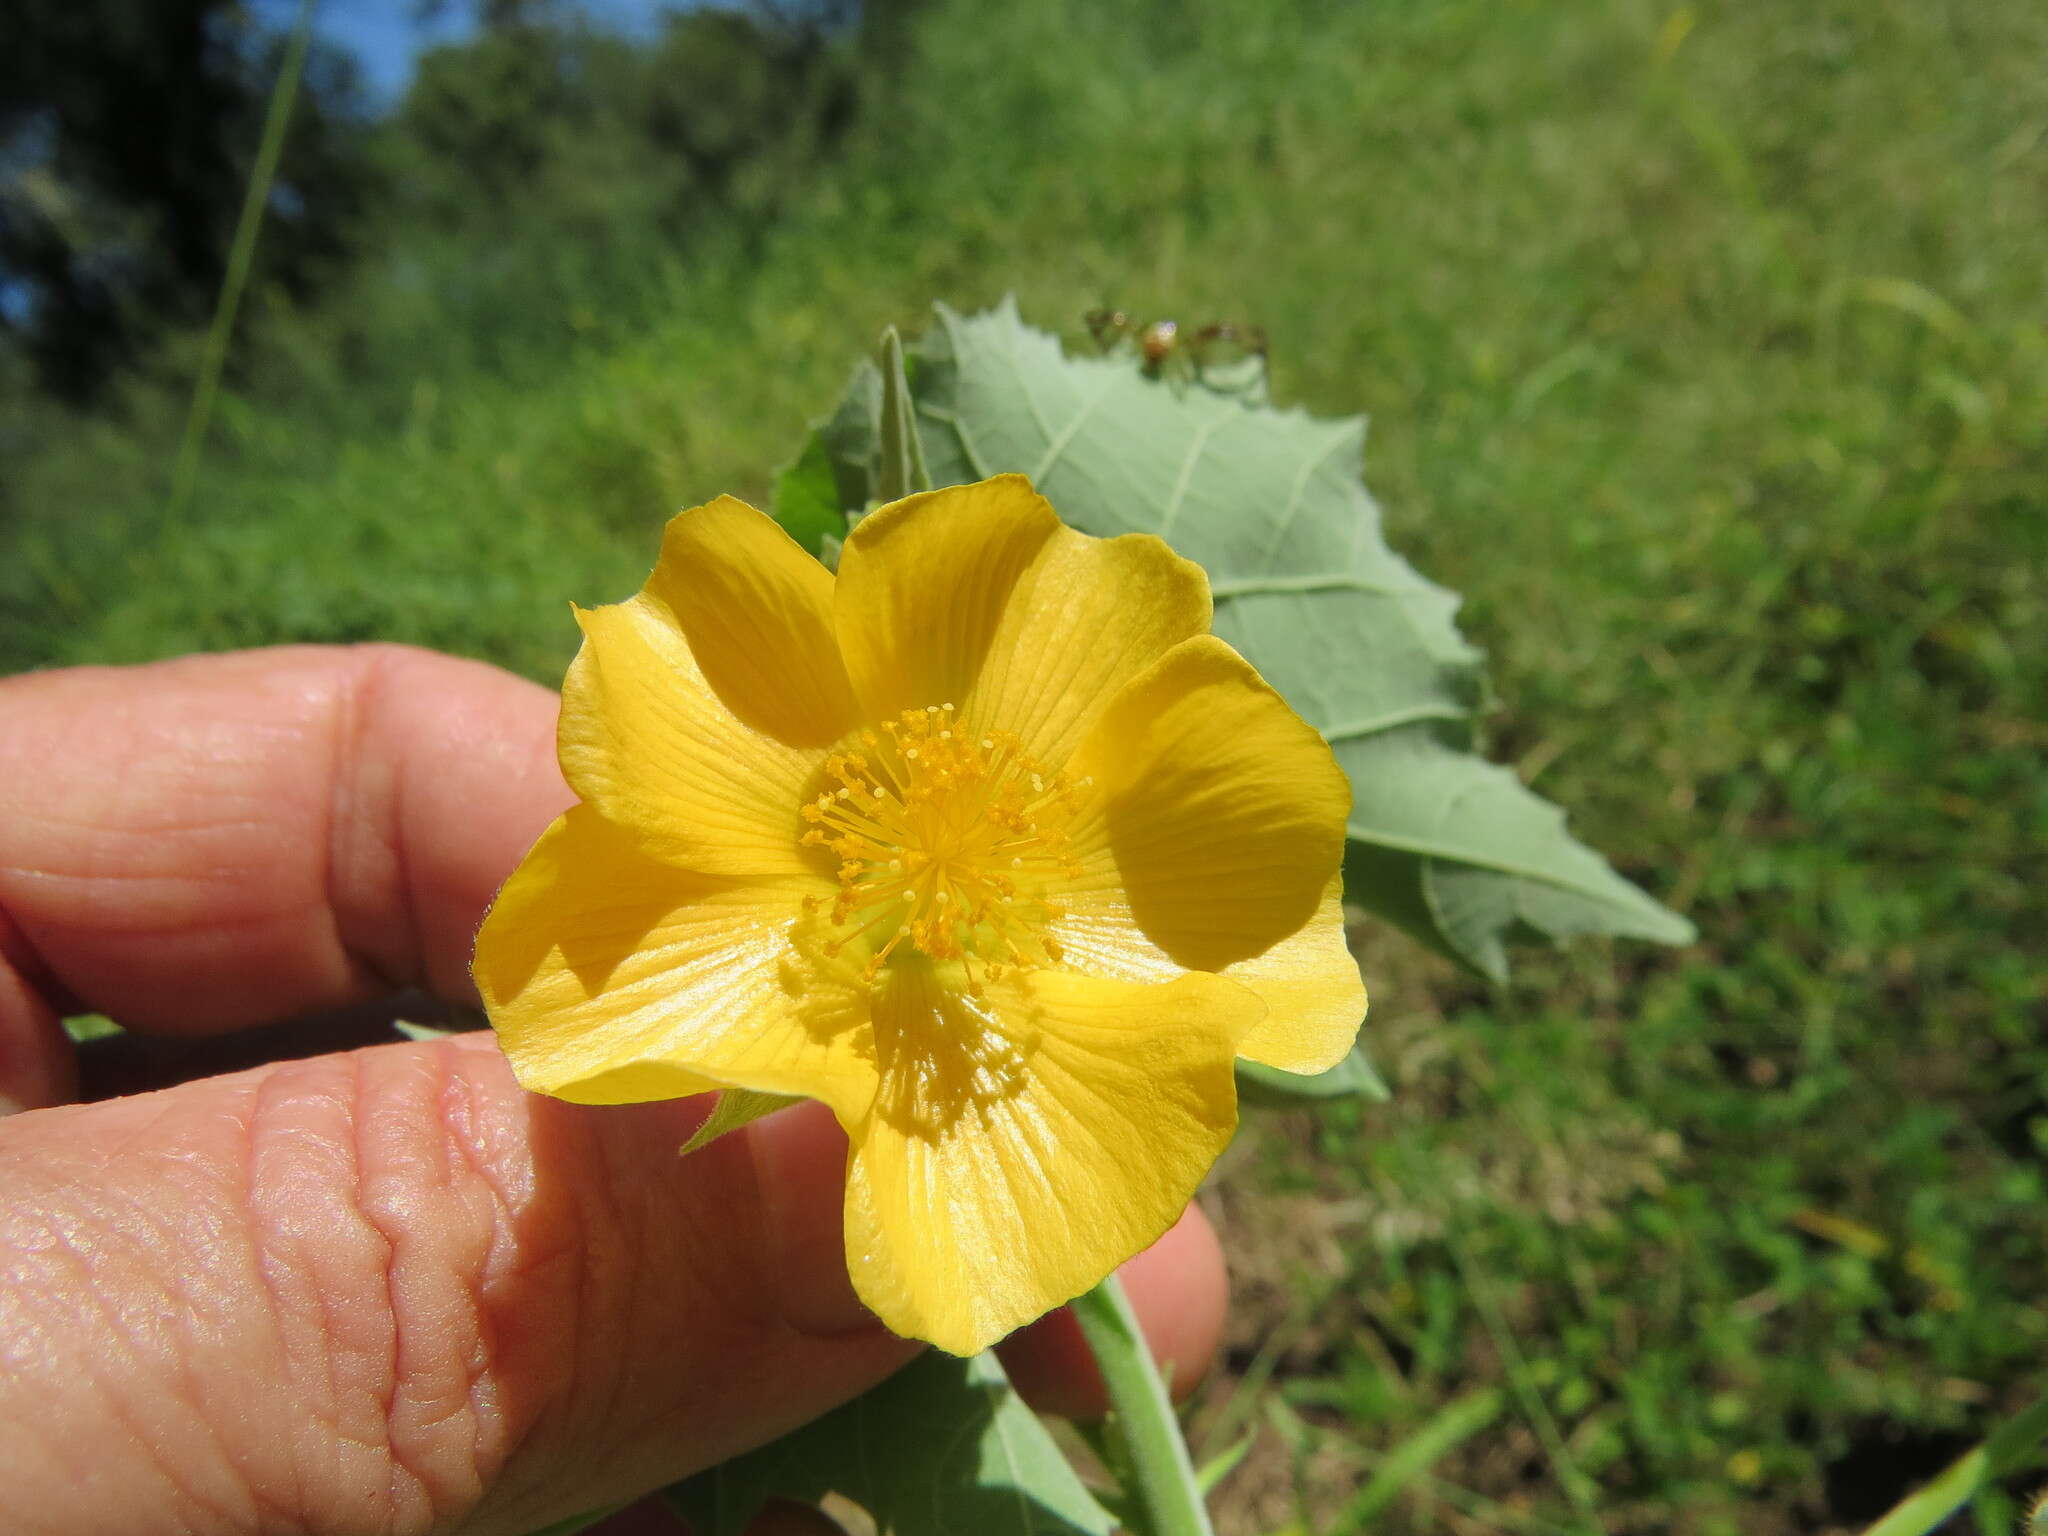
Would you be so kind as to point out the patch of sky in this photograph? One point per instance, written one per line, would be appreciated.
(386, 37)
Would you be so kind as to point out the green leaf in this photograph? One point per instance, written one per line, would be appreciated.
(1448, 1428)
(1451, 847)
(2015, 1444)
(806, 499)
(944, 1446)
(1209, 1476)
(91, 1026)
(834, 477)
(1353, 1077)
(735, 1107)
(421, 1032)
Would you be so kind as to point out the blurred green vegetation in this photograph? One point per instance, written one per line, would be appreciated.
(1707, 354)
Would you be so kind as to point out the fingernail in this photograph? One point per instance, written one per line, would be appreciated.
(800, 1167)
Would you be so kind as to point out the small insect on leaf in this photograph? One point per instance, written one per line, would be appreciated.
(1223, 356)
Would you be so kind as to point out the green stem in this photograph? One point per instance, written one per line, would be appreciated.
(903, 467)
(1165, 1498)
(240, 256)
(2015, 1444)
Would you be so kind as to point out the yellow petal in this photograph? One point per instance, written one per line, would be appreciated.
(1086, 617)
(1024, 1144)
(1041, 630)
(612, 978)
(756, 612)
(1308, 981)
(922, 587)
(697, 713)
(1314, 997)
(1219, 822)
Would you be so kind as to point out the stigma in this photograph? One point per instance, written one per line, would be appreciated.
(951, 841)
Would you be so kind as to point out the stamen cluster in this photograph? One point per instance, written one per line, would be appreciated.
(948, 838)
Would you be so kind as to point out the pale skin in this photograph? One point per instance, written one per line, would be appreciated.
(380, 1291)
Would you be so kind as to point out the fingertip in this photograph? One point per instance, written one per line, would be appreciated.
(211, 842)
(38, 1066)
(800, 1165)
(1179, 1289)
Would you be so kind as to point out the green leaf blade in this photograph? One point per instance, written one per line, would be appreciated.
(806, 497)
(835, 475)
(1447, 845)
(1353, 1077)
(1491, 860)
(942, 1447)
(736, 1107)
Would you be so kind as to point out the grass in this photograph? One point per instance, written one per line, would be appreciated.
(1706, 355)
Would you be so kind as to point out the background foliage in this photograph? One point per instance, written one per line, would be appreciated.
(1705, 353)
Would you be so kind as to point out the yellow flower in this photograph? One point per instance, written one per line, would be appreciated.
(988, 844)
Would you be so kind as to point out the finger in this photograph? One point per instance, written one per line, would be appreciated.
(36, 1065)
(111, 1066)
(1179, 1290)
(218, 841)
(388, 1290)
(1178, 1286)
(234, 838)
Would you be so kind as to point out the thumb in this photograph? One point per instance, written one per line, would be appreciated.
(388, 1291)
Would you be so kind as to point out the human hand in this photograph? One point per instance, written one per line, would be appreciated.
(383, 1290)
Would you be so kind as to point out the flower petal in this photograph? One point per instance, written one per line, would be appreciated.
(1218, 822)
(612, 978)
(1308, 981)
(757, 613)
(923, 583)
(1024, 1144)
(697, 713)
(1039, 633)
(1314, 997)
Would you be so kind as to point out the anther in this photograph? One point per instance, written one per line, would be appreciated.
(932, 823)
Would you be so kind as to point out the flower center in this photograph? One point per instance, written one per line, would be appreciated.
(948, 839)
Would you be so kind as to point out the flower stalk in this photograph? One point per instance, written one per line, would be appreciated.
(1164, 1497)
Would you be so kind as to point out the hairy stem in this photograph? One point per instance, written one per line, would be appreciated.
(1165, 1499)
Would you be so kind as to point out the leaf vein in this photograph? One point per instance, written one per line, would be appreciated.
(1187, 471)
(1011, 336)
(959, 428)
(1312, 581)
(1298, 489)
(1432, 850)
(1057, 446)
(1373, 724)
